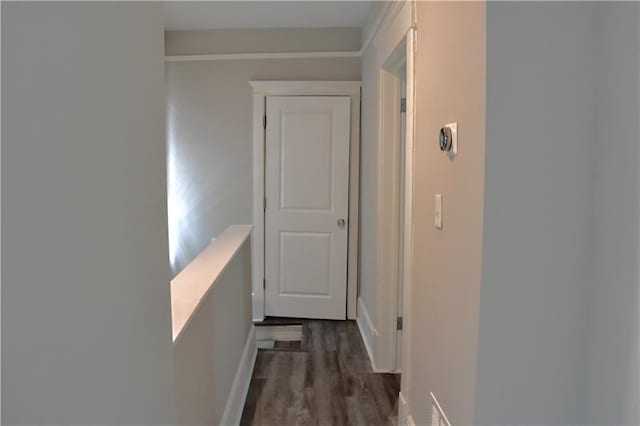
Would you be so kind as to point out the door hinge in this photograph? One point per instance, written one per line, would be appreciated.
(264, 283)
(264, 121)
(264, 204)
(403, 105)
(399, 323)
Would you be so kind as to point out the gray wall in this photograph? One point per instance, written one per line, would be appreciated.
(612, 371)
(210, 141)
(86, 328)
(558, 315)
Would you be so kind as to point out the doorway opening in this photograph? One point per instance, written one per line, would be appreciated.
(306, 140)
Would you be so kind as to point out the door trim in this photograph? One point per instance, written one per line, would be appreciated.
(407, 284)
(262, 89)
(394, 28)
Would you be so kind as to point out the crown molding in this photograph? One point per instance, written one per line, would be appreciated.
(258, 56)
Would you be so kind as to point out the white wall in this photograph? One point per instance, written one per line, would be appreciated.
(209, 350)
(558, 315)
(210, 114)
(86, 328)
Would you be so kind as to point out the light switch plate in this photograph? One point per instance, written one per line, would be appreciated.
(438, 211)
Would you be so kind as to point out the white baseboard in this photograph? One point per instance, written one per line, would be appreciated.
(240, 386)
(403, 410)
(367, 331)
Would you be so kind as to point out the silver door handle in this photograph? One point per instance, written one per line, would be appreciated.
(341, 223)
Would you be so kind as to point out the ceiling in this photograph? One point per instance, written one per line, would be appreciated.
(207, 15)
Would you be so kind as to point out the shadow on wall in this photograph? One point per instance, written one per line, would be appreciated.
(208, 184)
(210, 142)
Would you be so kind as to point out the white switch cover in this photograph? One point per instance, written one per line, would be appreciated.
(438, 211)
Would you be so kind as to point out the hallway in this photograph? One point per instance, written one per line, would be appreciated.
(328, 381)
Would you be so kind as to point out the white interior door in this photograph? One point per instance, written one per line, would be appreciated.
(307, 199)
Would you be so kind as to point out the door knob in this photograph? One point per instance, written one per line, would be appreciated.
(341, 222)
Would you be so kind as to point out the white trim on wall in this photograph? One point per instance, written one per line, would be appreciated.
(407, 284)
(404, 412)
(306, 88)
(239, 388)
(388, 218)
(262, 89)
(395, 29)
(257, 240)
(383, 20)
(367, 331)
(257, 56)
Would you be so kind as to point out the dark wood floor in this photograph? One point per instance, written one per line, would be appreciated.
(327, 381)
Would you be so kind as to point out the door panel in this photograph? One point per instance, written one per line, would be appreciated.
(307, 190)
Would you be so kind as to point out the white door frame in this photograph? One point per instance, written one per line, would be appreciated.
(407, 281)
(394, 29)
(262, 89)
(389, 263)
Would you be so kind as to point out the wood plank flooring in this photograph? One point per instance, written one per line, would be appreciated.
(328, 381)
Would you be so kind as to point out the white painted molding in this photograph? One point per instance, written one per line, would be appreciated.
(367, 331)
(403, 410)
(398, 21)
(409, 179)
(396, 31)
(373, 25)
(306, 88)
(239, 388)
(258, 56)
(262, 89)
(387, 226)
(387, 17)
